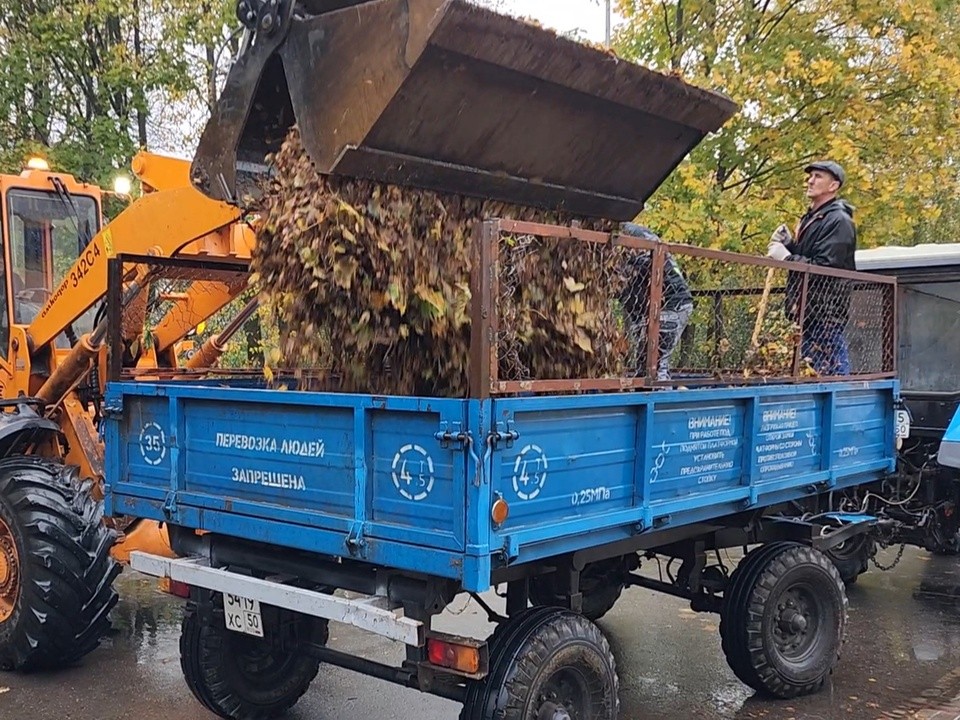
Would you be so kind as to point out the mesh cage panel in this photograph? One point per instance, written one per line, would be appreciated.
(554, 309)
(572, 312)
(183, 318)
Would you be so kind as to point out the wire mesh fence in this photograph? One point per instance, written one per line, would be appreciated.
(572, 312)
(184, 318)
(553, 309)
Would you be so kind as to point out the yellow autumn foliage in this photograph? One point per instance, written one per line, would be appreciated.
(874, 86)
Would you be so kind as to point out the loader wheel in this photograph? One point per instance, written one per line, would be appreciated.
(244, 677)
(546, 664)
(601, 584)
(783, 619)
(56, 573)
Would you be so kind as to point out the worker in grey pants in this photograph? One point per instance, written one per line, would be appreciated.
(676, 306)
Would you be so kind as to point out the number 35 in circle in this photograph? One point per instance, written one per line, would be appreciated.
(153, 443)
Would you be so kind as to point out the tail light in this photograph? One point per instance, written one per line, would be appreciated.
(174, 587)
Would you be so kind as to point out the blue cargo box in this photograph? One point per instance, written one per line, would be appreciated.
(409, 483)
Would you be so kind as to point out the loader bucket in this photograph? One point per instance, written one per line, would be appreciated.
(449, 96)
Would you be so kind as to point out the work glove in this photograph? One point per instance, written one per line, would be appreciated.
(777, 251)
(782, 235)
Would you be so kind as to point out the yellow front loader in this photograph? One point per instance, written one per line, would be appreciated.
(58, 555)
(435, 94)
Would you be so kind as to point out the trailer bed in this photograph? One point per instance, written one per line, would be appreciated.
(409, 483)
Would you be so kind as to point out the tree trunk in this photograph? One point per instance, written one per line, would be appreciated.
(138, 53)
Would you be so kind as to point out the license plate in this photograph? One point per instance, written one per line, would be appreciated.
(903, 424)
(242, 615)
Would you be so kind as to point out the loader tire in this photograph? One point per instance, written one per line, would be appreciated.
(56, 572)
(243, 677)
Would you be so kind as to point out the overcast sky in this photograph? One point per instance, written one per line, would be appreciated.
(565, 15)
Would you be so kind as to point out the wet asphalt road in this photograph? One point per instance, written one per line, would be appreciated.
(901, 660)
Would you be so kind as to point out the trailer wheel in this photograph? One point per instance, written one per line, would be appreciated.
(783, 619)
(546, 664)
(601, 584)
(852, 558)
(242, 676)
(56, 573)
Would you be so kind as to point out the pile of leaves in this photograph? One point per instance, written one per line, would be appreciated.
(370, 284)
(558, 307)
(774, 353)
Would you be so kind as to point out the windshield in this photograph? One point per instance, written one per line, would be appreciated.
(47, 231)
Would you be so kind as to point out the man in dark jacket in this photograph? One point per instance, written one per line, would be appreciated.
(826, 236)
(675, 308)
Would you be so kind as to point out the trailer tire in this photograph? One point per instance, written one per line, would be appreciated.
(56, 572)
(601, 584)
(216, 662)
(783, 619)
(852, 558)
(546, 657)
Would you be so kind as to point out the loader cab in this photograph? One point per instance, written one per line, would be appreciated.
(48, 220)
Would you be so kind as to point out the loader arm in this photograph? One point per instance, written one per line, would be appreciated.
(162, 223)
(201, 300)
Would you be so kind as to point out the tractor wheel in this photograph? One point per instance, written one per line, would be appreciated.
(245, 677)
(852, 558)
(601, 584)
(783, 619)
(949, 547)
(546, 664)
(56, 573)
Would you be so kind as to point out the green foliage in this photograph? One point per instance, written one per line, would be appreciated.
(872, 85)
(82, 79)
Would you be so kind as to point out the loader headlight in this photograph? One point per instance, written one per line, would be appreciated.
(121, 185)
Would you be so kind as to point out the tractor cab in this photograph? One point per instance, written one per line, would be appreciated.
(49, 219)
(928, 336)
(928, 339)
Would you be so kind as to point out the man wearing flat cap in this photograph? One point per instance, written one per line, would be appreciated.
(826, 236)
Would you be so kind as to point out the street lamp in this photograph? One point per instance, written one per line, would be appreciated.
(608, 23)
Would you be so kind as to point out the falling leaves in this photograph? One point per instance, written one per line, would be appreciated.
(371, 284)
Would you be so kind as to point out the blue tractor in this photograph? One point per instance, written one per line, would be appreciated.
(920, 503)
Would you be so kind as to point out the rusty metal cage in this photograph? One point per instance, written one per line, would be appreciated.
(722, 318)
(554, 310)
(181, 317)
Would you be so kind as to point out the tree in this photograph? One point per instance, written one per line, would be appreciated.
(89, 82)
(872, 85)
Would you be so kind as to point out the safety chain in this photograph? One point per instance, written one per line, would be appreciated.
(895, 562)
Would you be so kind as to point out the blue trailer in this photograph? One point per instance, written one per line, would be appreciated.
(274, 499)
(552, 473)
(289, 505)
